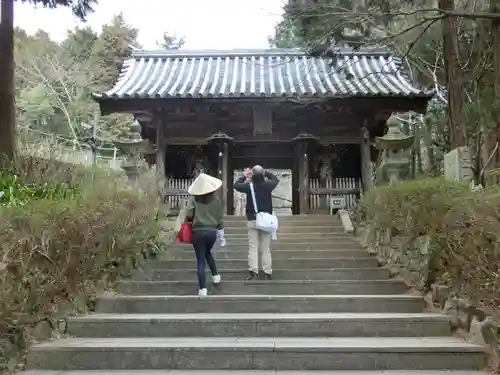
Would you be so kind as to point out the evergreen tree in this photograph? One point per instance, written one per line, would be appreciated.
(7, 96)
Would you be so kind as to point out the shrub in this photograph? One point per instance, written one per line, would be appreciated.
(56, 248)
(464, 226)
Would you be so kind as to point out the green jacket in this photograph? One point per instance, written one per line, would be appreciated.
(205, 216)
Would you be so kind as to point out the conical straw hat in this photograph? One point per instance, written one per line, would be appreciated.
(204, 184)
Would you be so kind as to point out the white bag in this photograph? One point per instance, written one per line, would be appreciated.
(221, 237)
(263, 221)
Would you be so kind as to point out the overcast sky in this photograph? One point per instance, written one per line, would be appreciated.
(216, 24)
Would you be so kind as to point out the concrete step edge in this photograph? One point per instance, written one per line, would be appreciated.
(254, 372)
(292, 236)
(239, 270)
(266, 297)
(294, 252)
(272, 344)
(294, 259)
(267, 282)
(243, 317)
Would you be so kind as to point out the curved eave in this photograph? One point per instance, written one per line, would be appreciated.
(417, 102)
(418, 95)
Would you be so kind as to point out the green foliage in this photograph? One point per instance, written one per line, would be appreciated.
(79, 44)
(14, 192)
(320, 23)
(80, 8)
(464, 226)
(113, 45)
(426, 199)
(413, 31)
(55, 82)
(67, 232)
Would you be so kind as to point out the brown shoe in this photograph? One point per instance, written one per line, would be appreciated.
(251, 275)
(268, 276)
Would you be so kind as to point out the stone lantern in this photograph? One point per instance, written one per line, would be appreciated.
(395, 147)
(132, 145)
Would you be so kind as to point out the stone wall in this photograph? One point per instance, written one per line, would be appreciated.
(413, 261)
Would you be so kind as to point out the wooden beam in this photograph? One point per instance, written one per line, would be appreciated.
(392, 104)
(326, 140)
(264, 156)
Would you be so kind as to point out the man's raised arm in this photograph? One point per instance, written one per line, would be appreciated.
(242, 185)
(271, 180)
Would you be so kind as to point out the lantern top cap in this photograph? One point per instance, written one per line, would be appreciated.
(394, 138)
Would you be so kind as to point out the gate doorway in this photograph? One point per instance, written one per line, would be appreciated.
(278, 158)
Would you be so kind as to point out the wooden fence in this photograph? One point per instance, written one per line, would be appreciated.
(320, 194)
(176, 190)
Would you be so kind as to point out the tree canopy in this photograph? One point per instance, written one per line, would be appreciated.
(54, 81)
(451, 46)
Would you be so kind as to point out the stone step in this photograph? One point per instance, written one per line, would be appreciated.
(260, 325)
(278, 274)
(253, 372)
(290, 224)
(297, 263)
(301, 243)
(164, 304)
(268, 287)
(240, 253)
(297, 235)
(242, 244)
(289, 218)
(306, 229)
(270, 353)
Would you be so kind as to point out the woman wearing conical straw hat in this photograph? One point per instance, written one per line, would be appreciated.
(204, 209)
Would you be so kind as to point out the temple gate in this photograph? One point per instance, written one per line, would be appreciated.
(222, 111)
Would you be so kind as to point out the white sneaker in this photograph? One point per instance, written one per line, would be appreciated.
(216, 279)
(202, 292)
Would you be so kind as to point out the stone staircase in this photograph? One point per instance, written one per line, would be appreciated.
(329, 307)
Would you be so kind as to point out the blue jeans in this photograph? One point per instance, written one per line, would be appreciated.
(203, 241)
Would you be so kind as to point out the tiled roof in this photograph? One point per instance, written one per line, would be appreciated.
(264, 73)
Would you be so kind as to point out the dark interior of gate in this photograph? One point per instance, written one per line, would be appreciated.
(221, 111)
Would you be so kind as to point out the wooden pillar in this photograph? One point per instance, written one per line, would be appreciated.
(224, 172)
(230, 182)
(295, 182)
(303, 177)
(161, 151)
(223, 164)
(366, 164)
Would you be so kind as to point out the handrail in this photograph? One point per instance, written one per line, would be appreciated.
(282, 198)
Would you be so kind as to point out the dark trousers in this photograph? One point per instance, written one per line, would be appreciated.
(203, 241)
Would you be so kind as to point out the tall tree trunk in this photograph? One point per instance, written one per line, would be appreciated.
(454, 78)
(492, 137)
(7, 99)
